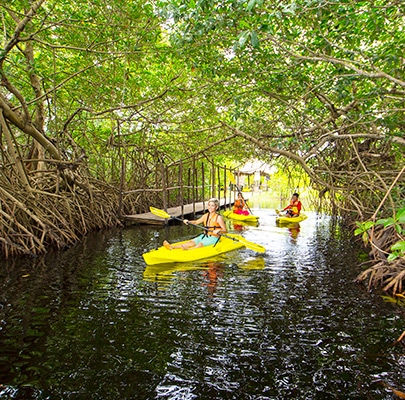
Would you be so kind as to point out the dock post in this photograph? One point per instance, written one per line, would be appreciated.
(122, 184)
(203, 184)
(194, 186)
(225, 188)
(164, 191)
(181, 188)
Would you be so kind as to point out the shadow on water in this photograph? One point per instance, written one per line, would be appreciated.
(96, 322)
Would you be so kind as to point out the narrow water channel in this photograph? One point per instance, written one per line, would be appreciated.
(94, 322)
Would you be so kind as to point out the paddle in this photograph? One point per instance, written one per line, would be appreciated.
(232, 179)
(241, 239)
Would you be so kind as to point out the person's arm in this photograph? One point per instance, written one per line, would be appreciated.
(299, 205)
(196, 221)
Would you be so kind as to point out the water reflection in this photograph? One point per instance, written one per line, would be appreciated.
(212, 275)
(96, 322)
(164, 273)
(241, 226)
(293, 229)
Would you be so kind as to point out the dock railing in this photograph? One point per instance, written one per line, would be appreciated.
(186, 185)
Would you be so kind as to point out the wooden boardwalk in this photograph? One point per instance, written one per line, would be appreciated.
(188, 210)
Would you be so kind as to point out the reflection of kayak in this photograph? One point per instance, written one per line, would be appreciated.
(165, 272)
(241, 225)
(163, 255)
(240, 217)
(253, 263)
(291, 220)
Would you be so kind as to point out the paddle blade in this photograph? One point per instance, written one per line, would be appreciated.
(247, 243)
(231, 177)
(253, 246)
(159, 213)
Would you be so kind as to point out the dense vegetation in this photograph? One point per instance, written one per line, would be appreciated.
(89, 86)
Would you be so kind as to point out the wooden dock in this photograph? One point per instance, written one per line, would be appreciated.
(188, 210)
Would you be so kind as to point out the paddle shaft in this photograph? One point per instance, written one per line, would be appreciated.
(203, 227)
(247, 244)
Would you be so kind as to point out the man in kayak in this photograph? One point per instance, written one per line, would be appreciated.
(294, 208)
(214, 224)
(240, 207)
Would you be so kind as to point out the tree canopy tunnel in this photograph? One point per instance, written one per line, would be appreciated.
(85, 85)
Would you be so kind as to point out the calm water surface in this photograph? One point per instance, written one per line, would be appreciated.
(94, 322)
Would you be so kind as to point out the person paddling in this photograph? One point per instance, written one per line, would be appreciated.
(294, 208)
(240, 206)
(212, 221)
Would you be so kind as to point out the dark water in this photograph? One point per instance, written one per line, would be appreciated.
(94, 323)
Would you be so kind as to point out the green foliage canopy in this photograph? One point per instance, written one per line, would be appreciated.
(317, 82)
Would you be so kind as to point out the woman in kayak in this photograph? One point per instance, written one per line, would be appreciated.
(294, 208)
(240, 207)
(212, 221)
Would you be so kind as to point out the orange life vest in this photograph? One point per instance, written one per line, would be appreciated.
(294, 206)
(212, 223)
(239, 204)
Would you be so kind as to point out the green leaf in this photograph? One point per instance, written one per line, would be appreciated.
(401, 216)
(254, 39)
(392, 257)
(242, 37)
(250, 5)
(399, 246)
(386, 222)
(364, 226)
(389, 222)
(290, 8)
(368, 225)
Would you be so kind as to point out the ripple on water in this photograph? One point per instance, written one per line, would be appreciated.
(286, 324)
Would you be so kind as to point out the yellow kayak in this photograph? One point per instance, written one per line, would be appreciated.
(291, 220)
(164, 256)
(240, 217)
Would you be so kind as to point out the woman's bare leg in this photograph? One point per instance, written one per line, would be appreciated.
(185, 246)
